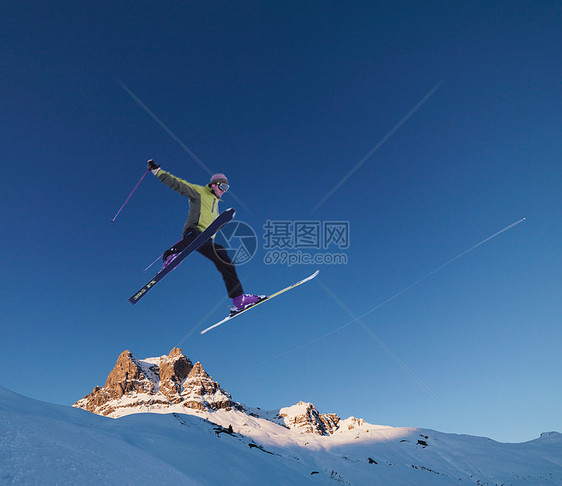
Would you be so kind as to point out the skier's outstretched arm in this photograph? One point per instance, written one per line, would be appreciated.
(183, 187)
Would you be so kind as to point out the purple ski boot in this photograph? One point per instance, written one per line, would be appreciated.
(168, 258)
(245, 300)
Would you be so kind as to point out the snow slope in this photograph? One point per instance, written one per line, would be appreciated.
(42, 443)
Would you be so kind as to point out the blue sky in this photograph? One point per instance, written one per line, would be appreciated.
(286, 99)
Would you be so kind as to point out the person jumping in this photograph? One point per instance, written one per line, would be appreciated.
(203, 210)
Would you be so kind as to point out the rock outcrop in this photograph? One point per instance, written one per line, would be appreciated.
(304, 417)
(201, 392)
(154, 384)
(174, 369)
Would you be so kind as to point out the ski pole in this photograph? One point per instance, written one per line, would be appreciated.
(127, 200)
(153, 262)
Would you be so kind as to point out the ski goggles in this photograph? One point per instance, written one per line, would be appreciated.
(223, 186)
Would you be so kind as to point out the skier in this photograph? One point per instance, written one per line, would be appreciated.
(203, 209)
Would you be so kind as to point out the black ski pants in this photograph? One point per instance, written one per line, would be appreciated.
(218, 255)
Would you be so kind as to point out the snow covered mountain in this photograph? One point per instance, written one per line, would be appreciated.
(199, 435)
(156, 384)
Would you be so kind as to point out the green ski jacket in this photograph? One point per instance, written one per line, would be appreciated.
(203, 204)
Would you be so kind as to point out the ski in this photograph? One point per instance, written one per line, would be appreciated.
(221, 220)
(232, 316)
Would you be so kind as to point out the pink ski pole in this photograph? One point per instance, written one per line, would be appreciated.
(127, 200)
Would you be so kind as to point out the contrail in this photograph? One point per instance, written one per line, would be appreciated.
(166, 129)
(399, 293)
(377, 146)
(376, 339)
(198, 325)
(173, 135)
(443, 266)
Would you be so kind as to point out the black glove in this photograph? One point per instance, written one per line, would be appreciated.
(153, 166)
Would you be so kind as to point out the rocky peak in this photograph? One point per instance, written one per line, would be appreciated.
(174, 369)
(155, 383)
(176, 353)
(304, 417)
(198, 372)
(351, 423)
(128, 377)
(200, 391)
